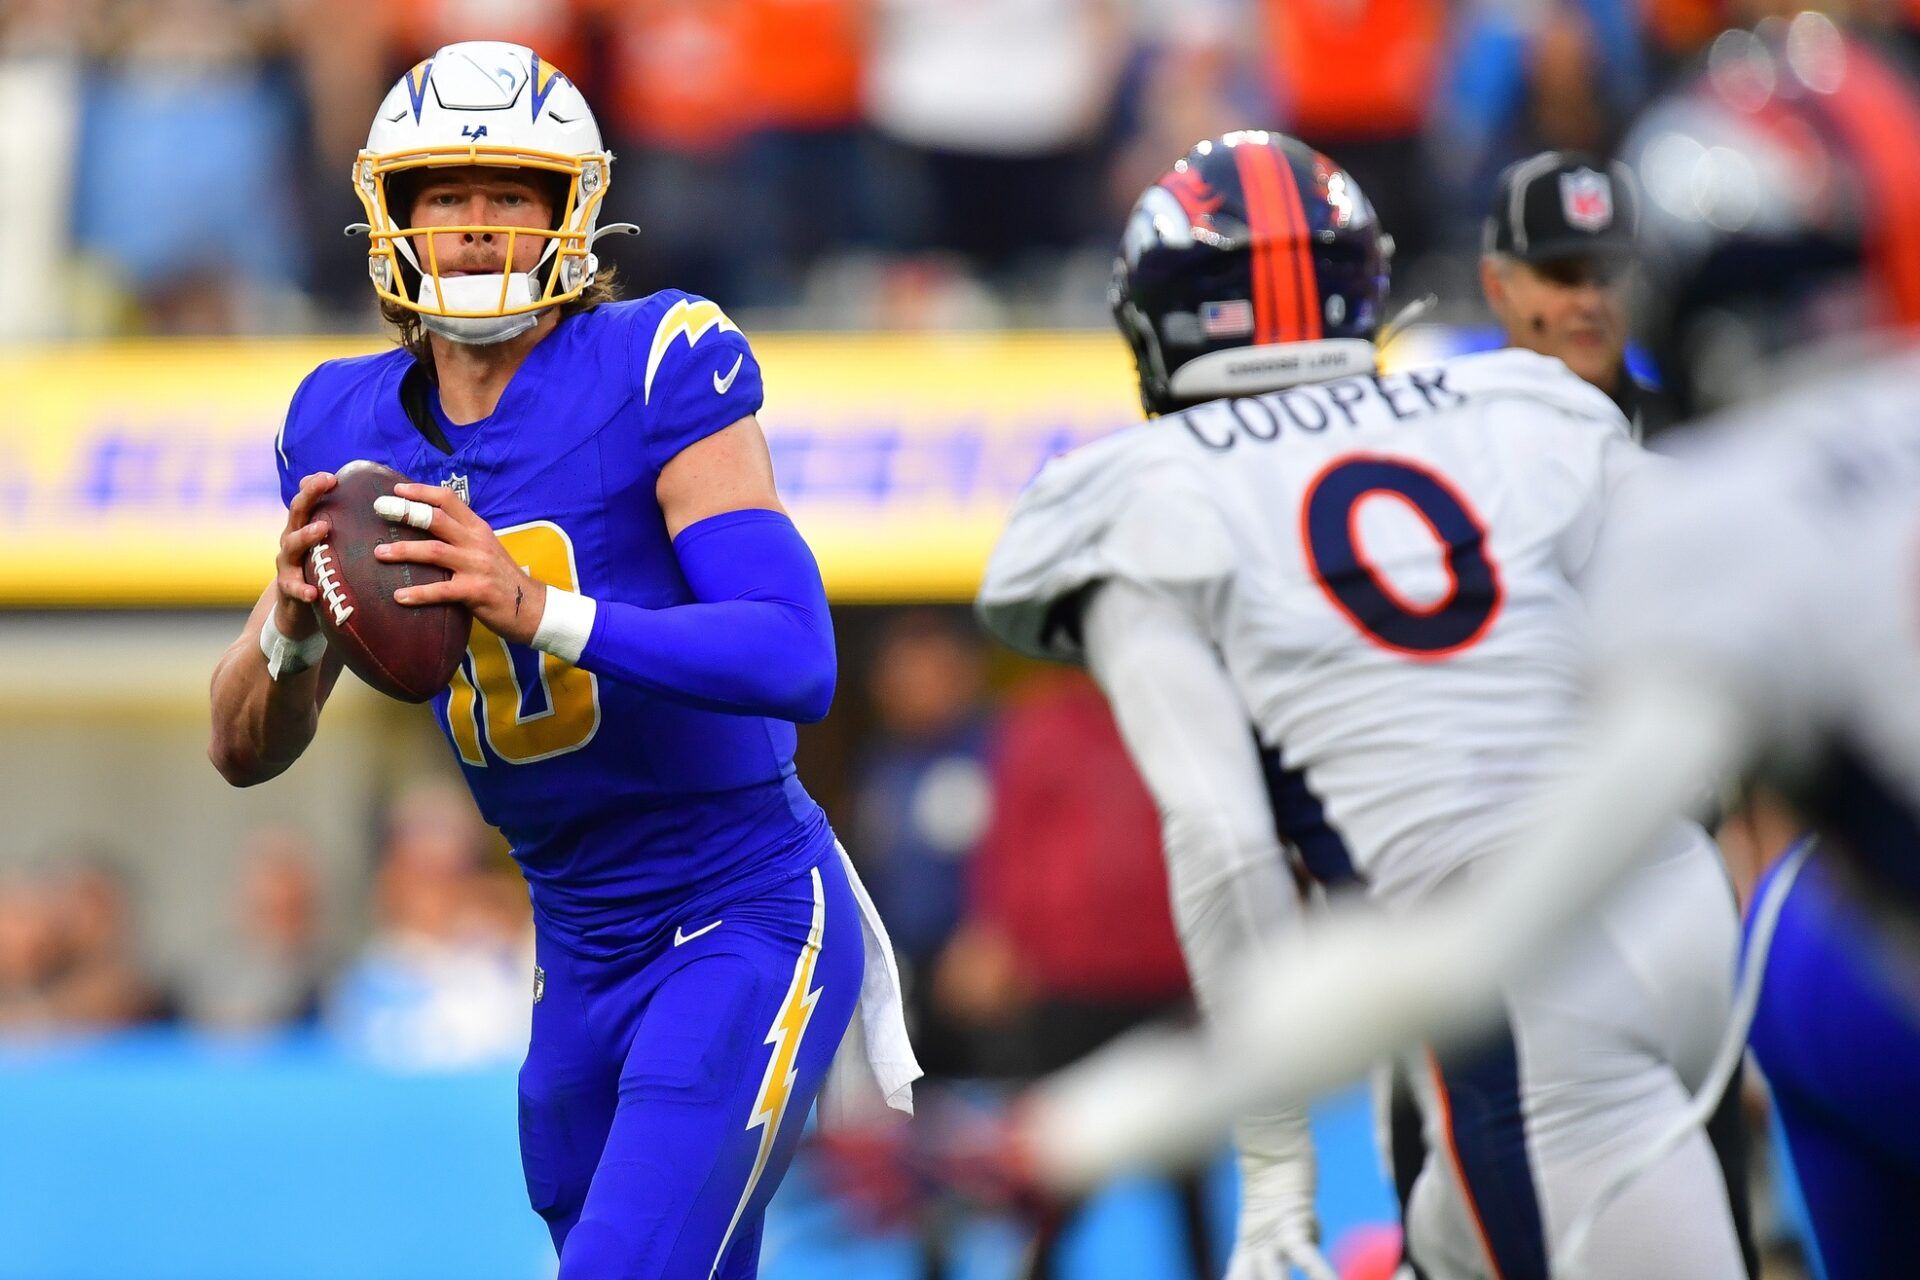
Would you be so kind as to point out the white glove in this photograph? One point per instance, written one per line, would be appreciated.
(1279, 1232)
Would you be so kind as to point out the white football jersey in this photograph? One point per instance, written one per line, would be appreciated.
(1780, 559)
(1388, 566)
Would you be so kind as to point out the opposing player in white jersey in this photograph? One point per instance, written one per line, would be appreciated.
(1382, 573)
(1756, 614)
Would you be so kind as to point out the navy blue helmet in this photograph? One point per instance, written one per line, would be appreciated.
(1254, 264)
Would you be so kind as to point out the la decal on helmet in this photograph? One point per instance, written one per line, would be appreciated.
(483, 103)
(1254, 264)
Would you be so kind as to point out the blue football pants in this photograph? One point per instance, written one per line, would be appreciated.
(1840, 1043)
(663, 1093)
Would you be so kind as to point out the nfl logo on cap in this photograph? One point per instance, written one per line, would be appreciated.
(1587, 200)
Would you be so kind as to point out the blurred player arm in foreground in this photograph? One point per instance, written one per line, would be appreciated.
(1362, 984)
(757, 638)
(265, 712)
(1187, 731)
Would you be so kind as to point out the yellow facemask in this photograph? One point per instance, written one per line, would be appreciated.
(565, 266)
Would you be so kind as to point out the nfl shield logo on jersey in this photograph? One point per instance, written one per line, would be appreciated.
(461, 490)
(1586, 199)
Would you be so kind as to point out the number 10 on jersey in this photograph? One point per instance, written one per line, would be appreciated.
(493, 701)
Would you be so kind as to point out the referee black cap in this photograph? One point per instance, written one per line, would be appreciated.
(1562, 204)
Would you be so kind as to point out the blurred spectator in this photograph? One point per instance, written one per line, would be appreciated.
(922, 803)
(1677, 30)
(744, 172)
(446, 980)
(996, 113)
(1070, 941)
(1564, 77)
(100, 980)
(416, 29)
(40, 78)
(69, 958)
(29, 957)
(676, 103)
(1569, 109)
(804, 161)
(271, 975)
(188, 196)
(1359, 79)
(1191, 80)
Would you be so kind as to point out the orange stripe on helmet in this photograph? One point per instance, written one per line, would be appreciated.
(1260, 230)
(1288, 233)
(1306, 279)
(1282, 230)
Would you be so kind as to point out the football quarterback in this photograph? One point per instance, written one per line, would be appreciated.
(648, 626)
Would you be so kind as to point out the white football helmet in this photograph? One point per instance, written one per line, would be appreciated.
(482, 102)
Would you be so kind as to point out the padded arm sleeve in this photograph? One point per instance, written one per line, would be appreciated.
(1187, 731)
(757, 641)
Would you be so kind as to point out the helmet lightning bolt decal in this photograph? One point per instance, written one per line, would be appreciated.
(691, 318)
(417, 86)
(776, 1087)
(545, 77)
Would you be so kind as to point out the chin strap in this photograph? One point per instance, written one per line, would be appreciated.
(613, 229)
(1404, 318)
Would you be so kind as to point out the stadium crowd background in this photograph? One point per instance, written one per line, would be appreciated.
(816, 165)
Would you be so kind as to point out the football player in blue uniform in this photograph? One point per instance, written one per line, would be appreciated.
(648, 627)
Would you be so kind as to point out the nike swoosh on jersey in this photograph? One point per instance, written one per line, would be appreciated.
(724, 385)
(680, 936)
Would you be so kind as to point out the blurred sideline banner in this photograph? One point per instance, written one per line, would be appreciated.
(142, 474)
(165, 1156)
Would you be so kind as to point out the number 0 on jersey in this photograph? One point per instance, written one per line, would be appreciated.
(1329, 531)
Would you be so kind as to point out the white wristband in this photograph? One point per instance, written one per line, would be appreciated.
(565, 625)
(289, 657)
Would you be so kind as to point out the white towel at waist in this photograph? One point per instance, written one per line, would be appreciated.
(874, 1070)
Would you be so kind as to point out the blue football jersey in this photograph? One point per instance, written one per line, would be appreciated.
(626, 810)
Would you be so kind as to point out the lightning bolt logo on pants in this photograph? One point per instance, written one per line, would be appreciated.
(776, 1086)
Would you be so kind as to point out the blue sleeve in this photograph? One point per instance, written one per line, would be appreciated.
(694, 374)
(757, 641)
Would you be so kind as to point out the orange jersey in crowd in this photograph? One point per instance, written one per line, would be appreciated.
(1354, 68)
(697, 74)
(551, 27)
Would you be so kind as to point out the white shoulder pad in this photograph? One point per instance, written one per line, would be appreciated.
(1129, 506)
(1516, 373)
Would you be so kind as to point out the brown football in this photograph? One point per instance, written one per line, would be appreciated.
(408, 652)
